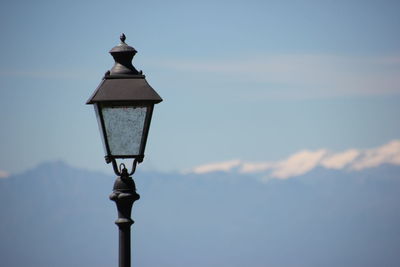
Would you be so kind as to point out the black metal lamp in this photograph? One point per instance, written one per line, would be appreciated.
(124, 104)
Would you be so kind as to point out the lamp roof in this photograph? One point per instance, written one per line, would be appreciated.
(111, 90)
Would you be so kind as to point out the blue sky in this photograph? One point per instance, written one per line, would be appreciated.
(248, 80)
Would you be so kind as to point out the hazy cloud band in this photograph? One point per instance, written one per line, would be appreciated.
(306, 160)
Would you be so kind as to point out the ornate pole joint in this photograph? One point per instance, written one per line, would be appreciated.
(124, 195)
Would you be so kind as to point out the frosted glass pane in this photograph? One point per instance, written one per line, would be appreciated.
(124, 129)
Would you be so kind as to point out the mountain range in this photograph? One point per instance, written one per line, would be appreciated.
(59, 215)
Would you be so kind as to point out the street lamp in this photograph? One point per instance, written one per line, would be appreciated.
(124, 103)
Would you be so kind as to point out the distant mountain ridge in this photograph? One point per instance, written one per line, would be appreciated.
(305, 161)
(58, 215)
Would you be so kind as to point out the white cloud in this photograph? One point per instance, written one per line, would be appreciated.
(306, 160)
(388, 153)
(249, 167)
(340, 160)
(220, 166)
(298, 164)
(3, 174)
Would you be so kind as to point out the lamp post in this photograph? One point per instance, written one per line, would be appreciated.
(124, 103)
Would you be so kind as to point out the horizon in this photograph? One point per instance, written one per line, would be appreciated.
(294, 165)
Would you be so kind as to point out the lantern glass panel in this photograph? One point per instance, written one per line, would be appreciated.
(98, 117)
(124, 129)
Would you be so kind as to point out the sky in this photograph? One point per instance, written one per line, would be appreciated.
(248, 81)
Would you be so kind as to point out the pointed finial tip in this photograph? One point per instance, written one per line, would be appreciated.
(122, 37)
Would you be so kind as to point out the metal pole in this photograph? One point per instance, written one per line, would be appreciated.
(124, 194)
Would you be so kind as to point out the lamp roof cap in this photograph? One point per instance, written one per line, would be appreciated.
(123, 47)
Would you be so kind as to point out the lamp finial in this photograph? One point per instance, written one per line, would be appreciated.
(122, 37)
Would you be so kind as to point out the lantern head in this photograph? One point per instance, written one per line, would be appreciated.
(124, 103)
